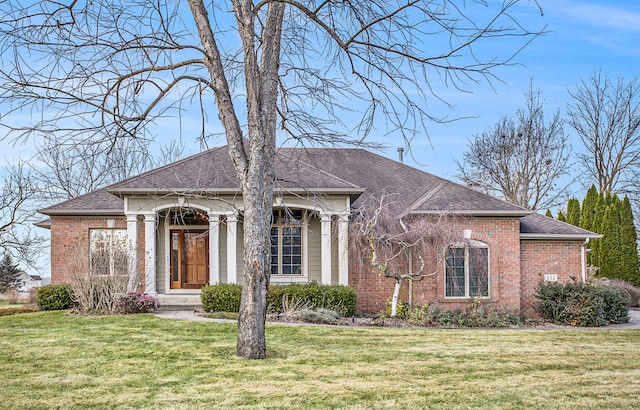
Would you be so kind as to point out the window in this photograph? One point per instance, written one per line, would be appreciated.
(108, 252)
(286, 242)
(467, 270)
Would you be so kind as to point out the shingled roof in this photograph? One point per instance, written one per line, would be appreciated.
(536, 226)
(99, 202)
(355, 172)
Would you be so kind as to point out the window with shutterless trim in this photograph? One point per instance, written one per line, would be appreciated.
(287, 242)
(467, 270)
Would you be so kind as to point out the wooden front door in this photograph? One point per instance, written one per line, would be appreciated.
(189, 259)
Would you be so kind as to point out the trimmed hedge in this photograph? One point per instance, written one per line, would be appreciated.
(223, 297)
(226, 297)
(54, 297)
(581, 304)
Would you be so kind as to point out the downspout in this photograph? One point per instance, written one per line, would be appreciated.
(584, 260)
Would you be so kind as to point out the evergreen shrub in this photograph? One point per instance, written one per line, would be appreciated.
(581, 304)
(339, 298)
(223, 297)
(226, 297)
(54, 297)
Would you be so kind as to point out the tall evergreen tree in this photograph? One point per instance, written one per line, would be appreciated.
(9, 274)
(588, 209)
(573, 212)
(629, 268)
(561, 217)
(608, 259)
(600, 207)
(548, 213)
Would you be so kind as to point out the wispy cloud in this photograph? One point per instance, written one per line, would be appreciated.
(617, 16)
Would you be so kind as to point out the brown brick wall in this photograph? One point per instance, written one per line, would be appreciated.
(539, 257)
(503, 237)
(70, 243)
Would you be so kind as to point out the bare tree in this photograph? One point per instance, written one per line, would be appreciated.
(606, 116)
(66, 170)
(520, 159)
(17, 236)
(397, 245)
(115, 68)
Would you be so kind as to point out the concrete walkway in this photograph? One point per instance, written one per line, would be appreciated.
(634, 320)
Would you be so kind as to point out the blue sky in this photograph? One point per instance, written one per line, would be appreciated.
(583, 36)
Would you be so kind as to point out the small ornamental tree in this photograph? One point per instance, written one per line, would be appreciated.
(398, 245)
(9, 274)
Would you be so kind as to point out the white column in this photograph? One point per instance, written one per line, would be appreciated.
(343, 249)
(150, 254)
(232, 233)
(214, 248)
(325, 248)
(132, 241)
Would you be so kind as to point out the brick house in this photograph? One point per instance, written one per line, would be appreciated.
(182, 224)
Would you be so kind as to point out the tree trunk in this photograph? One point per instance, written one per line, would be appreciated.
(394, 299)
(254, 165)
(258, 199)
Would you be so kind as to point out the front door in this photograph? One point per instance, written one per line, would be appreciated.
(189, 259)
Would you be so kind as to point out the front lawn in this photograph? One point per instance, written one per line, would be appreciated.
(53, 360)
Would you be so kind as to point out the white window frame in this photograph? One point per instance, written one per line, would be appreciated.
(469, 244)
(110, 235)
(303, 225)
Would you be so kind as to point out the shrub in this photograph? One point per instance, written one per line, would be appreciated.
(476, 314)
(17, 309)
(580, 304)
(341, 299)
(97, 293)
(54, 297)
(626, 288)
(616, 304)
(402, 309)
(226, 297)
(135, 302)
(324, 316)
(13, 296)
(32, 297)
(223, 297)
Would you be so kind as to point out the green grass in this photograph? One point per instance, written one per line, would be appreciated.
(53, 360)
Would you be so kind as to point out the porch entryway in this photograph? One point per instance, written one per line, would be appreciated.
(189, 267)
